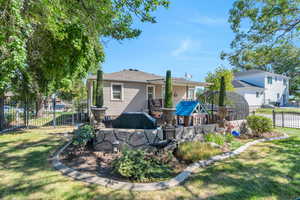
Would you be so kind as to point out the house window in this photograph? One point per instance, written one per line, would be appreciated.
(150, 92)
(191, 93)
(275, 78)
(257, 94)
(163, 92)
(270, 80)
(116, 91)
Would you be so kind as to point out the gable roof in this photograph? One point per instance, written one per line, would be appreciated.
(255, 71)
(245, 84)
(134, 75)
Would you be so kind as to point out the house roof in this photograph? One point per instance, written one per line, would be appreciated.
(245, 84)
(134, 75)
(254, 71)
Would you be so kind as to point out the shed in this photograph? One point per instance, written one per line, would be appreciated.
(193, 112)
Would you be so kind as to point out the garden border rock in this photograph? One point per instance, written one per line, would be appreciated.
(114, 184)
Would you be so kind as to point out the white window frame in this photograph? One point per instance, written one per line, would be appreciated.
(111, 92)
(270, 78)
(163, 92)
(153, 86)
(194, 89)
(257, 94)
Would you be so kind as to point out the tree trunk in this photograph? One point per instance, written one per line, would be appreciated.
(2, 119)
(39, 106)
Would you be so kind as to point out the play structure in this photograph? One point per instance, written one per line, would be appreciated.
(190, 113)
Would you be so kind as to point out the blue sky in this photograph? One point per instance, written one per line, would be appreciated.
(188, 37)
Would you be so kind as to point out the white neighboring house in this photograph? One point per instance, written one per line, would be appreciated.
(260, 87)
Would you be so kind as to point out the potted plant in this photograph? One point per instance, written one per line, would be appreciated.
(98, 110)
(222, 108)
(168, 109)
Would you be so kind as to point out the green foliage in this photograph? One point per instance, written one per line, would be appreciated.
(137, 165)
(168, 91)
(259, 124)
(99, 89)
(13, 37)
(215, 79)
(229, 138)
(62, 39)
(222, 93)
(195, 151)
(83, 135)
(265, 35)
(215, 137)
(271, 22)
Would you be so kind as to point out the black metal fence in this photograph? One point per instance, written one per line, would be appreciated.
(53, 112)
(286, 119)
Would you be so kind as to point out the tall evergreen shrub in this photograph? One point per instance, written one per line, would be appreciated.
(99, 89)
(222, 93)
(168, 91)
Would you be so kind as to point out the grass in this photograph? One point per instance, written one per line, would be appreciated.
(268, 170)
(270, 110)
(195, 151)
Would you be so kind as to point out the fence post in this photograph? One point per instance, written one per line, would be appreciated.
(274, 118)
(282, 117)
(73, 112)
(54, 114)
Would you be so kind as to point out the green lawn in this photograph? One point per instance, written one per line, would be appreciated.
(266, 171)
(269, 110)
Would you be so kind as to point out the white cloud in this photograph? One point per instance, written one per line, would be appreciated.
(185, 45)
(206, 20)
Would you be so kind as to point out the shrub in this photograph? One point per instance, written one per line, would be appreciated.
(168, 91)
(229, 137)
(259, 124)
(195, 151)
(83, 135)
(215, 137)
(139, 166)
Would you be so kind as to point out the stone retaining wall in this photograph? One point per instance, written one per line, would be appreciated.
(194, 133)
(140, 138)
(126, 138)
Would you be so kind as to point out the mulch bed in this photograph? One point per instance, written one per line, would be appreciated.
(100, 163)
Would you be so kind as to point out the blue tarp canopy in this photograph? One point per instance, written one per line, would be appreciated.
(186, 108)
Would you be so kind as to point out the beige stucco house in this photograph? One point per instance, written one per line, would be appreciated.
(129, 90)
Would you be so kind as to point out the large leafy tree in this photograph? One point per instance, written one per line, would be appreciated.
(63, 43)
(215, 79)
(12, 46)
(266, 32)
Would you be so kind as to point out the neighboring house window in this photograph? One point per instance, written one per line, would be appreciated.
(284, 82)
(191, 93)
(270, 80)
(116, 91)
(257, 94)
(150, 92)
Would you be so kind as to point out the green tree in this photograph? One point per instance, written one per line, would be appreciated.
(261, 22)
(215, 79)
(99, 89)
(168, 91)
(12, 46)
(265, 35)
(222, 92)
(64, 41)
